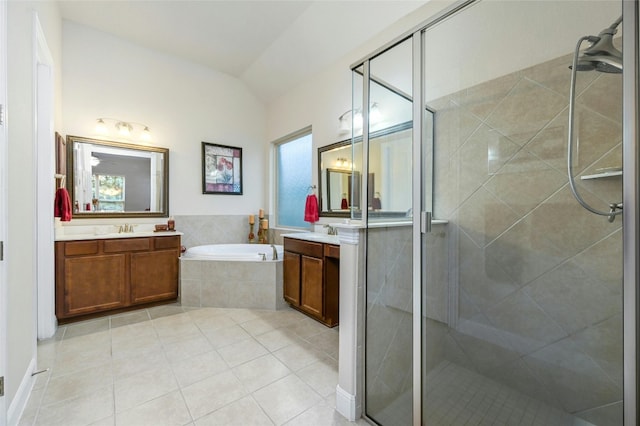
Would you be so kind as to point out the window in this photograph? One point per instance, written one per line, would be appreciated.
(108, 193)
(293, 178)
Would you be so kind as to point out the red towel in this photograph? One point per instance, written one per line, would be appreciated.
(311, 209)
(62, 205)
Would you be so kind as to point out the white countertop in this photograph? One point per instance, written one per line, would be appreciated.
(108, 232)
(315, 237)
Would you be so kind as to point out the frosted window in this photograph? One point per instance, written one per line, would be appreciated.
(293, 165)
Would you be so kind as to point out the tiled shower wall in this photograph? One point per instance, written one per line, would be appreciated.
(539, 277)
(389, 315)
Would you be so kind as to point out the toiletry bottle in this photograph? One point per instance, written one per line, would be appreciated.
(171, 224)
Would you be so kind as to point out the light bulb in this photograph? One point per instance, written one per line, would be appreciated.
(146, 134)
(374, 114)
(100, 127)
(357, 120)
(124, 129)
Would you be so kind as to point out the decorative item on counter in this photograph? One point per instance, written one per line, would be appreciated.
(171, 224)
(252, 221)
(161, 227)
(263, 231)
(344, 205)
(87, 207)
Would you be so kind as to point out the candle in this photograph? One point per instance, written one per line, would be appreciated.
(261, 214)
(265, 224)
(251, 219)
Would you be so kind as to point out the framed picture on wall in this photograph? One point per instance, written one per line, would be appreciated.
(221, 169)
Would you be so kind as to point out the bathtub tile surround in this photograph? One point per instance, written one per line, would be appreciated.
(138, 378)
(231, 284)
(538, 277)
(214, 229)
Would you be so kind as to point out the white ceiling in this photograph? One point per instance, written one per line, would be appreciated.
(270, 45)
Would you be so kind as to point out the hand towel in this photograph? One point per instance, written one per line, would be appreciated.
(62, 205)
(311, 209)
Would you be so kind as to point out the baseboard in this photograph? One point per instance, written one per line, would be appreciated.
(346, 404)
(19, 402)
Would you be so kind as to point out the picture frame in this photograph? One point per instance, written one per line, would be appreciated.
(221, 169)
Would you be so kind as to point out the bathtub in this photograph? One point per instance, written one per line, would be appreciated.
(232, 276)
(233, 252)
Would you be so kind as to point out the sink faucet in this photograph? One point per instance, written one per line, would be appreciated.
(125, 228)
(264, 256)
(275, 252)
(331, 230)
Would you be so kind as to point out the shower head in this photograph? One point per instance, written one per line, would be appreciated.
(602, 55)
(602, 63)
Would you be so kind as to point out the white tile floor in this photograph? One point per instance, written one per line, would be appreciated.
(173, 366)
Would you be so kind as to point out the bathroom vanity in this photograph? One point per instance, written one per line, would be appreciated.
(311, 276)
(99, 275)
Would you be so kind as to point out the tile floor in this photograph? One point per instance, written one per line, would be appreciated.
(170, 365)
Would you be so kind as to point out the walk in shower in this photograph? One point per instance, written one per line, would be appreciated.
(508, 307)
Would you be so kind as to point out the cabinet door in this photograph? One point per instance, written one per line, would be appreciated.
(312, 285)
(154, 276)
(291, 278)
(94, 284)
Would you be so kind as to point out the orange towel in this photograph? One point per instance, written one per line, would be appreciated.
(311, 209)
(62, 205)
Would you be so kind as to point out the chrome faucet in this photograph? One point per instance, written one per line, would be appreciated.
(275, 252)
(331, 230)
(264, 256)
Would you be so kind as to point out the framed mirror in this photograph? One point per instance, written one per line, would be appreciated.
(334, 179)
(389, 180)
(113, 179)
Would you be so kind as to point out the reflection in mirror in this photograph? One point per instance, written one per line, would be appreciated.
(389, 181)
(114, 179)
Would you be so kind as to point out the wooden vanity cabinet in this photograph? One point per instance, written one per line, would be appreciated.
(311, 278)
(103, 275)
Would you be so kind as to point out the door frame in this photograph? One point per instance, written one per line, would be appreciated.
(630, 215)
(3, 203)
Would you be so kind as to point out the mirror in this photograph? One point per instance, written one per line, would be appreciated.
(334, 179)
(389, 151)
(115, 179)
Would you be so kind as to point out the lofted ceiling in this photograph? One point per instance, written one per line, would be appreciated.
(270, 45)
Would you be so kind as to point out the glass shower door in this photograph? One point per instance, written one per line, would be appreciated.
(387, 209)
(524, 325)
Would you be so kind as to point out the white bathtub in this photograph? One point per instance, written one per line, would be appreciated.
(232, 276)
(233, 252)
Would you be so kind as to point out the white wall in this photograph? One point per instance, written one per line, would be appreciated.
(182, 103)
(20, 245)
(320, 100)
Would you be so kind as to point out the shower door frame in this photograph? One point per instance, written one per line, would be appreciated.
(631, 195)
(630, 215)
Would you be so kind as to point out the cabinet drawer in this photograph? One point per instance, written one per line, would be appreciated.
(332, 251)
(80, 247)
(303, 247)
(166, 242)
(127, 244)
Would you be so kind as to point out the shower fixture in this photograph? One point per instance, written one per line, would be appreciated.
(601, 56)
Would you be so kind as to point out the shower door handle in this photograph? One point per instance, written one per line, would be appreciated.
(425, 222)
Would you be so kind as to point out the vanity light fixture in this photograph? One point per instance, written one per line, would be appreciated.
(123, 128)
(356, 118)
